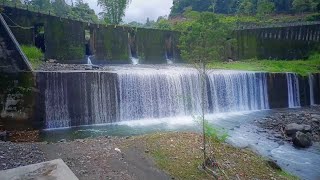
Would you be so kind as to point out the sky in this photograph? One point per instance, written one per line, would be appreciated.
(140, 10)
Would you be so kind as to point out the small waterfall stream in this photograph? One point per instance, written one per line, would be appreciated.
(311, 85)
(293, 90)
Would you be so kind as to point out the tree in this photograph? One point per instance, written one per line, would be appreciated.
(246, 7)
(302, 5)
(113, 10)
(203, 39)
(61, 8)
(163, 23)
(43, 5)
(82, 11)
(265, 7)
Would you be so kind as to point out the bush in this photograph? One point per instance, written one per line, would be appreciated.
(313, 17)
(34, 55)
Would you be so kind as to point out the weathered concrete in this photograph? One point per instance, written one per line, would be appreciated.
(277, 90)
(53, 170)
(293, 42)
(11, 56)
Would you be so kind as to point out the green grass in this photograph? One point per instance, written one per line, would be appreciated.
(34, 55)
(302, 67)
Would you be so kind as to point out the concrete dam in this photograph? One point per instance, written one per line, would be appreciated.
(60, 99)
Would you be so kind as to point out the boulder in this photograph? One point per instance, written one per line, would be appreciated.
(301, 140)
(292, 128)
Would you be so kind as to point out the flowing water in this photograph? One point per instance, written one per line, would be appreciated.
(311, 83)
(293, 90)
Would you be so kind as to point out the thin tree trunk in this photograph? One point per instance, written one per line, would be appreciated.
(203, 71)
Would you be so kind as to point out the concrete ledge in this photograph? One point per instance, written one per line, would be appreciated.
(55, 169)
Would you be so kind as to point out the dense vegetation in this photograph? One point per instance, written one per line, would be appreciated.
(248, 7)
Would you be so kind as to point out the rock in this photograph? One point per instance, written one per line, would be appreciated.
(117, 149)
(273, 164)
(80, 140)
(292, 128)
(52, 61)
(63, 141)
(301, 140)
(3, 136)
(315, 116)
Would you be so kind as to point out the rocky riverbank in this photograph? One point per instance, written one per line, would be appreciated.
(301, 127)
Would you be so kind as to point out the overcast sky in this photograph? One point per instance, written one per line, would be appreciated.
(140, 10)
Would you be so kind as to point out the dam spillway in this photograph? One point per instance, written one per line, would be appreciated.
(89, 98)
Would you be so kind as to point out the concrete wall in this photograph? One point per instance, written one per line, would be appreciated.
(65, 39)
(19, 101)
(294, 42)
(316, 89)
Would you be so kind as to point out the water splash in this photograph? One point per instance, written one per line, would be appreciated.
(293, 90)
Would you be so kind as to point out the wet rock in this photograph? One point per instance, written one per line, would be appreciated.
(301, 140)
(292, 128)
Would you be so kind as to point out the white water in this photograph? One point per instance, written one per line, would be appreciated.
(134, 60)
(169, 61)
(89, 60)
(311, 85)
(138, 93)
(293, 90)
(151, 93)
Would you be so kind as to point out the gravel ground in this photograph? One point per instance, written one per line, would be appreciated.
(87, 158)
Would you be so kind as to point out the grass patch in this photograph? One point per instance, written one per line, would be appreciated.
(302, 67)
(34, 55)
(179, 154)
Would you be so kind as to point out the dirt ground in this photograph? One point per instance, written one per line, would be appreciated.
(88, 158)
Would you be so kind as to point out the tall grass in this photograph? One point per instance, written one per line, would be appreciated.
(302, 67)
(34, 55)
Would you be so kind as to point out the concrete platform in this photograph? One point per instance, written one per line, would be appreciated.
(51, 170)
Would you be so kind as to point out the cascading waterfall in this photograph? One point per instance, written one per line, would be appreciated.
(166, 93)
(237, 91)
(311, 85)
(86, 98)
(293, 90)
(79, 98)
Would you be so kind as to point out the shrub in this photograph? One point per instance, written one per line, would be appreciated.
(34, 55)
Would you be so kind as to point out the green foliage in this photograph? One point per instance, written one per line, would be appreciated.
(81, 10)
(204, 37)
(34, 55)
(215, 134)
(246, 7)
(113, 10)
(265, 7)
(84, 12)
